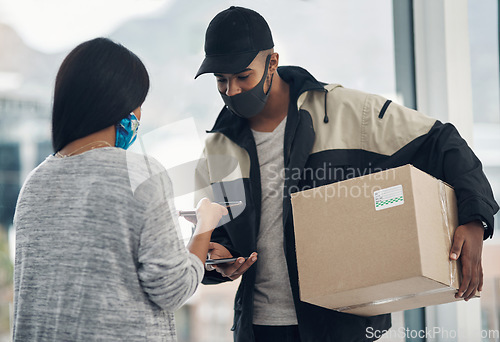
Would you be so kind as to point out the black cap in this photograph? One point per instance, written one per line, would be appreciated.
(233, 38)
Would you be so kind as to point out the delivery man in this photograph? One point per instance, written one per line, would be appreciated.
(288, 132)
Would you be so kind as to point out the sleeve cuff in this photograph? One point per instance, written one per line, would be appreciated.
(198, 266)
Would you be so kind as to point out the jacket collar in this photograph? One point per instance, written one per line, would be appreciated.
(237, 129)
(300, 80)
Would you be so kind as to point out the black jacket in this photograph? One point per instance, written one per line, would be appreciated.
(346, 133)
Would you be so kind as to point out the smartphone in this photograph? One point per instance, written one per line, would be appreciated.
(221, 261)
(226, 204)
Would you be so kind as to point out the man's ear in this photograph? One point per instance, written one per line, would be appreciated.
(273, 62)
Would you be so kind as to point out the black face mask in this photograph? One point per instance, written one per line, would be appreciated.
(250, 102)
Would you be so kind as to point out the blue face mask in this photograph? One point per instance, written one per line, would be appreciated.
(126, 131)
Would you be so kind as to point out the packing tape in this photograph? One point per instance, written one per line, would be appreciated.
(394, 299)
(448, 228)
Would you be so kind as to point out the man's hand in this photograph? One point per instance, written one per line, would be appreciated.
(231, 270)
(468, 246)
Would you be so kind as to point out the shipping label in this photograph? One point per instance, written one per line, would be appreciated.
(389, 197)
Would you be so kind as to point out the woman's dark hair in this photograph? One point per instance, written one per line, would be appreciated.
(98, 84)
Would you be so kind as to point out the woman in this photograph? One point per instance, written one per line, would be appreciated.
(98, 255)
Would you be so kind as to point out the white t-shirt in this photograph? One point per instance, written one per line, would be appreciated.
(273, 301)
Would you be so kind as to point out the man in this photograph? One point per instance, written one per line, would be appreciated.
(279, 122)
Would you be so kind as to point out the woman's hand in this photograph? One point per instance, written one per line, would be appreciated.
(208, 214)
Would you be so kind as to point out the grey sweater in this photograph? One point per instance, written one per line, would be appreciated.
(98, 251)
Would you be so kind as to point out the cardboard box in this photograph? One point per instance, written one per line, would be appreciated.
(378, 243)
